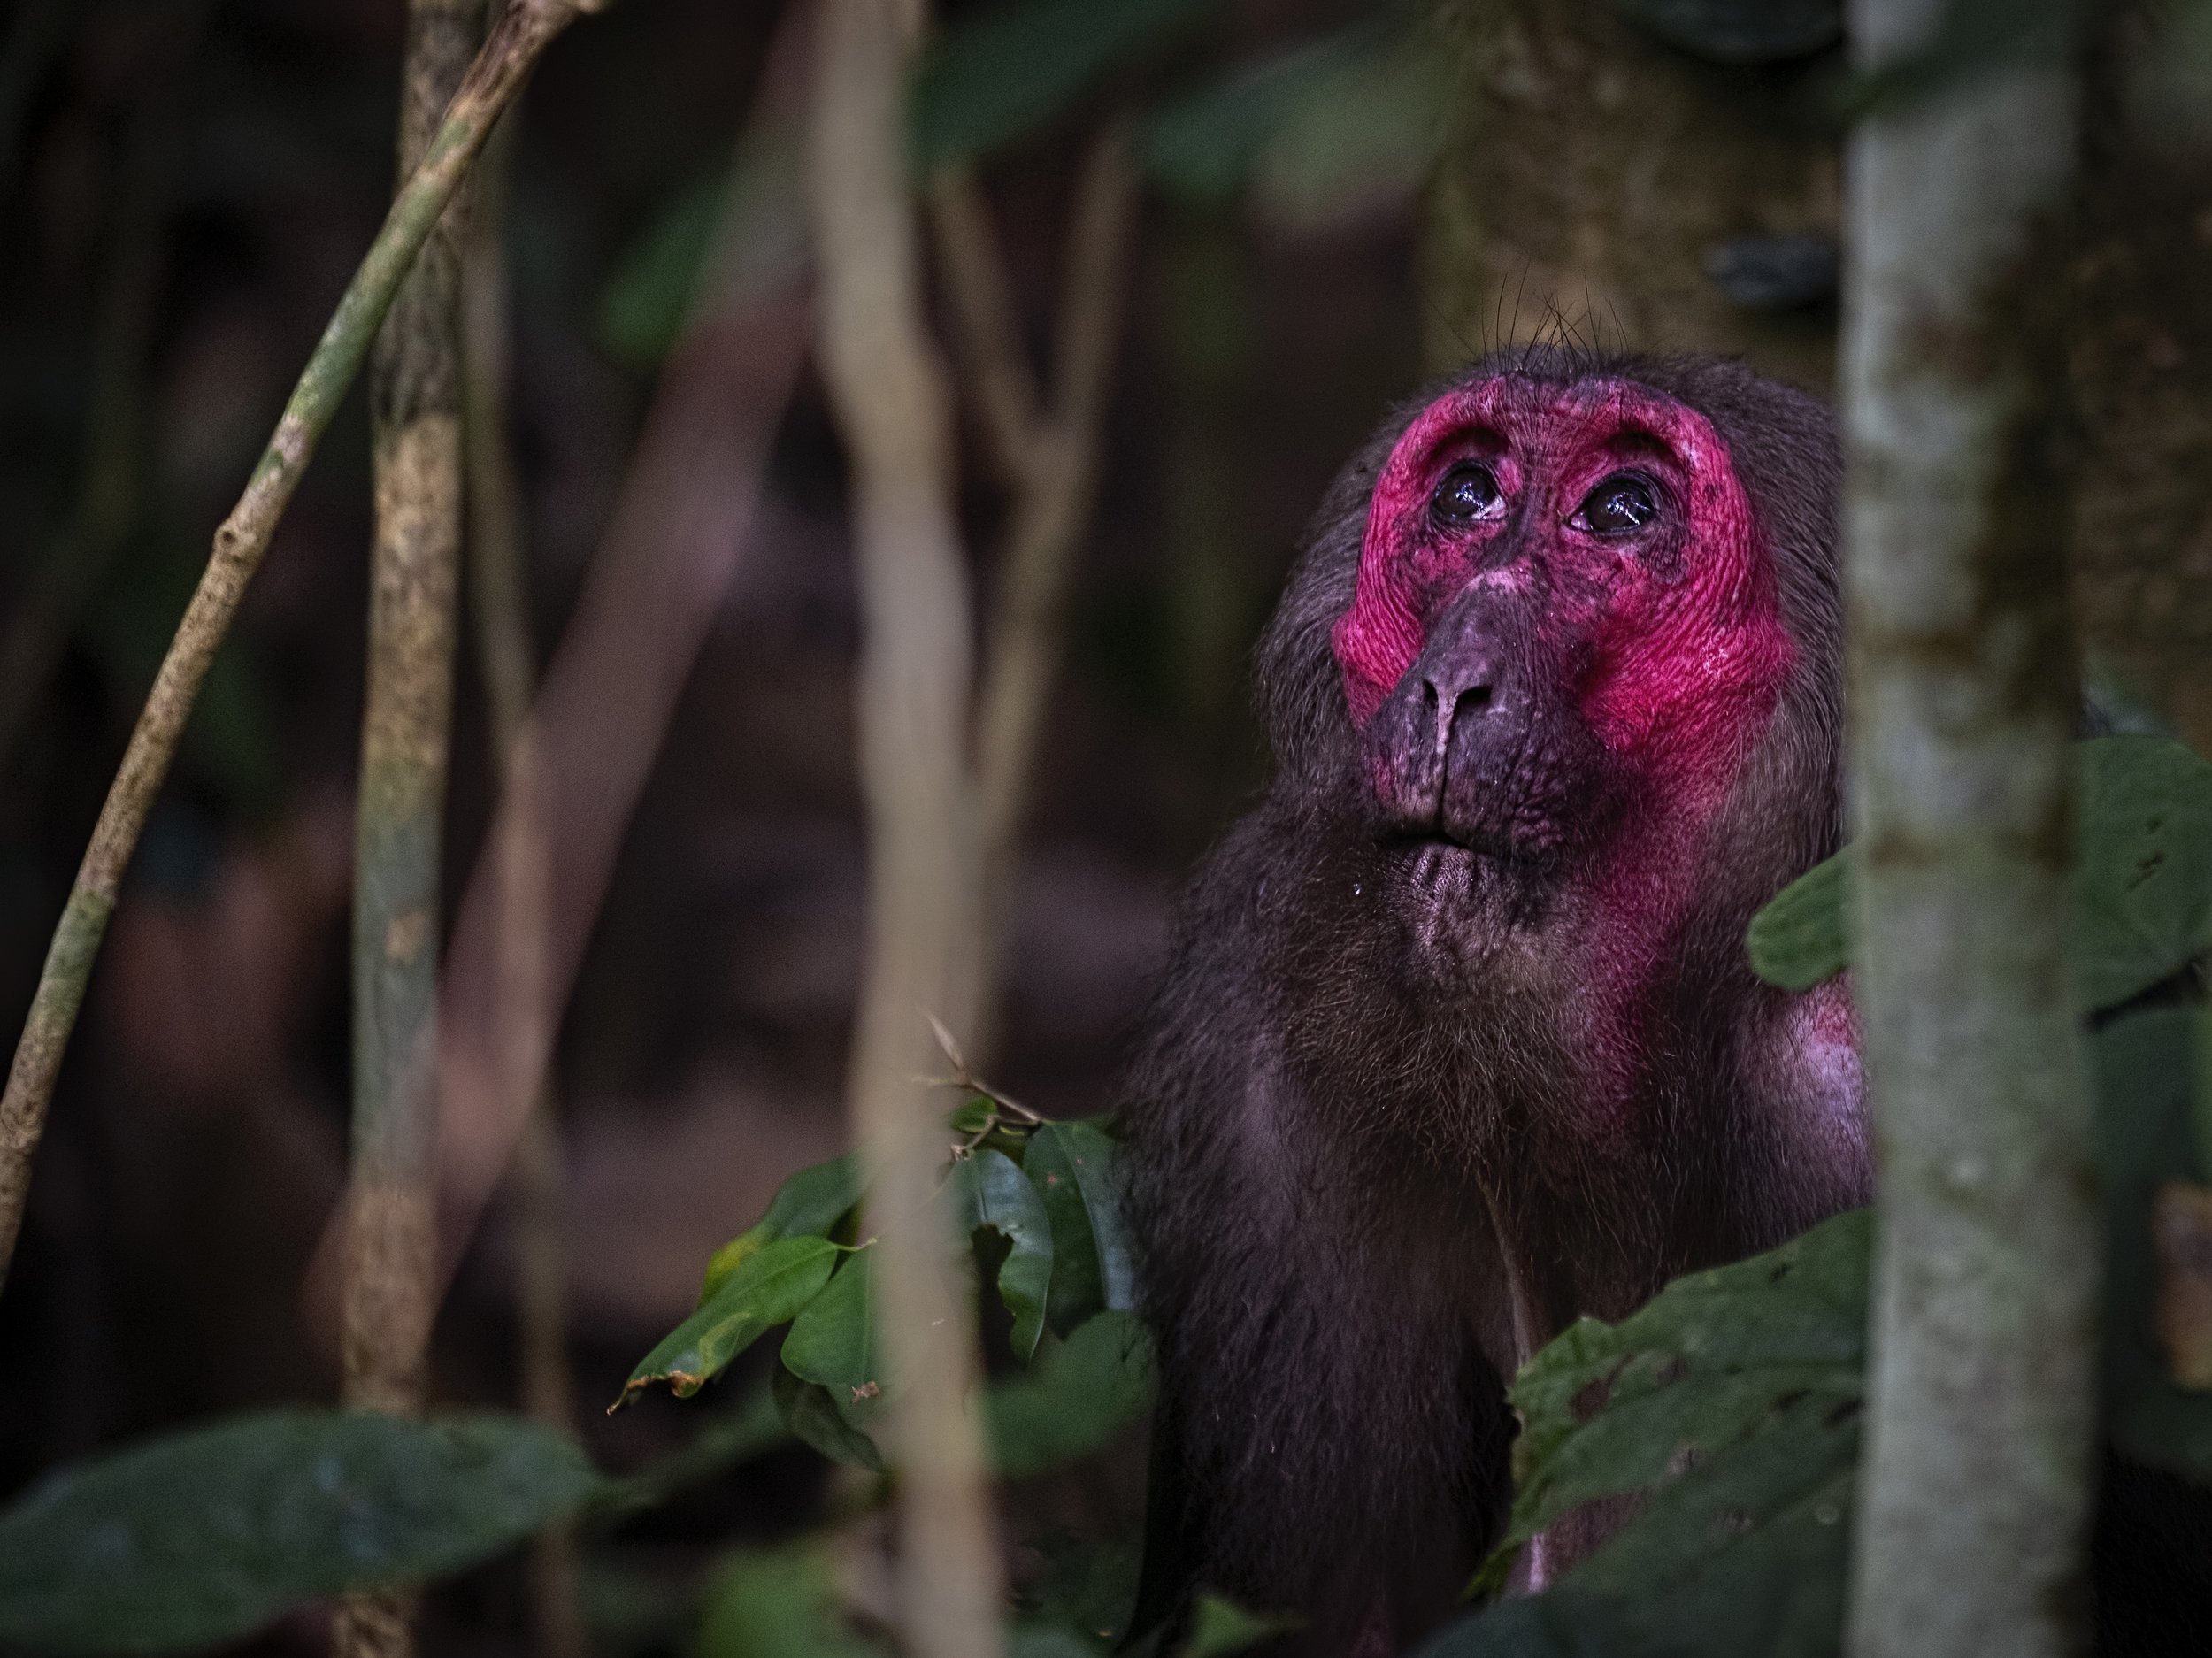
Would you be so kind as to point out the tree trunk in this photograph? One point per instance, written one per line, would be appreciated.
(1975, 1487)
(1595, 171)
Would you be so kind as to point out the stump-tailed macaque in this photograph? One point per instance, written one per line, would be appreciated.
(1460, 1039)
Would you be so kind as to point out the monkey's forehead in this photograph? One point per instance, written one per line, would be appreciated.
(1539, 418)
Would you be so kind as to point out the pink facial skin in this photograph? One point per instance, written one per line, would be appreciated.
(1678, 623)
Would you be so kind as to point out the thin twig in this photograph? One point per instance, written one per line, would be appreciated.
(888, 390)
(666, 559)
(1059, 457)
(986, 328)
(525, 29)
(406, 741)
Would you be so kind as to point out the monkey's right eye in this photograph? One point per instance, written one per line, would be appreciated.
(1467, 493)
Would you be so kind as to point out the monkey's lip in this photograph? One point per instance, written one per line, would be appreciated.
(1471, 845)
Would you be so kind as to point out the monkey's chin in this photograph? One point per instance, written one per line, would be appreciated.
(1463, 899)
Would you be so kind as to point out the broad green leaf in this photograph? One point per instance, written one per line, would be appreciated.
(989, 1191)
(205, 1536)
(989, 80)
(1744, 1554)
(1740, 31)
(2142, 895)
(770, 1286)
(780, 1603)
(812, 1416)
(1710, 1358)
(807, 1205)
(1220, 1627)
(1071, 1165)
(834, 1342)
(1082, 1392)
(2142, 899)
(1799, 939)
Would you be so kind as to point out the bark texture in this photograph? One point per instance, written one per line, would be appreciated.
(414, 594)
(1593, 173)
(1975, 1486)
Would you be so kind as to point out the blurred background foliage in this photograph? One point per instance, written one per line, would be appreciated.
(1338, 198)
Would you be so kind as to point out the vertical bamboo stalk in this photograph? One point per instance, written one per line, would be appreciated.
(926, 916)
(499, 595)
(1972, 1519)
(415, 410)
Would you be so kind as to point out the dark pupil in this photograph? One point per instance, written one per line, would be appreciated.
(1617, 505)
(1466, 492)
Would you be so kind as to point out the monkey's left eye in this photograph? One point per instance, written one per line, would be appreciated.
(1618, 504)
(1468, 492)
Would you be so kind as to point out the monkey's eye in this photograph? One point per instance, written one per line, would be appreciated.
(1467, 493)
(1618, 504)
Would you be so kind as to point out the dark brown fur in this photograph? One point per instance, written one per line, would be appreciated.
(1357, 1097)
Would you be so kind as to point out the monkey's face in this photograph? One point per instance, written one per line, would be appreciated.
(1563, 611)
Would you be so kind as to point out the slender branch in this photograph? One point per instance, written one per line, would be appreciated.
(678, 531)
(406, 741)
(1972, 1517)
(524, 32)
(986, 326)
(1059, 454)
(887, 391)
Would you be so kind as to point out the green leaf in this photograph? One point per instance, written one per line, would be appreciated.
(780, 1603)
(772, 1285)
(812, 1416)
(1220, 1627)
(1740, 31)
(1081, 1393)
(1071, 1165)
(1799, 938)
(1701, 1366)
(807, 1205)
(990, 1192)
(834, 1342)
(992, 79)
(2141, 898)
(1746, 1554)
(2142, 893)
(205, 1536)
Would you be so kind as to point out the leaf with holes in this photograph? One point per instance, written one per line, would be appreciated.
(989, 1191)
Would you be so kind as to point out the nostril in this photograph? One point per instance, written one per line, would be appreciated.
(1447, 702)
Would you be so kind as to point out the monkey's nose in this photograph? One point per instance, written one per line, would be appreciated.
(1450, 693)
